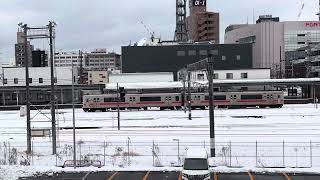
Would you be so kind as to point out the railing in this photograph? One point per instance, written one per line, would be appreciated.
(159, 154)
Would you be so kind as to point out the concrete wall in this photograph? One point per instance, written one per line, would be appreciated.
(141, 77)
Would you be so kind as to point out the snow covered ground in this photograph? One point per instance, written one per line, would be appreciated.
(286, 137)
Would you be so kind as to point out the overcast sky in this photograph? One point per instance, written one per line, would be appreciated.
(110, 24)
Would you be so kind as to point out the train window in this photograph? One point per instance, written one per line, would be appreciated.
(157, 98)
(278, 96)
(87, 100)
(110, 99)
(177, 98)
(251, 96)
(221, 97)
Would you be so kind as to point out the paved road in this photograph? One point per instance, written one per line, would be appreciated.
(171, 176)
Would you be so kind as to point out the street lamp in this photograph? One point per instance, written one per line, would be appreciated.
(178, 141)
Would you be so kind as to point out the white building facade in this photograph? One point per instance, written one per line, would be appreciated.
(38, 76)
(271, 40)
(98, 59)
(232, 74)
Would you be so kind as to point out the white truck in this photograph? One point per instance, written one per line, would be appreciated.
(196, 165)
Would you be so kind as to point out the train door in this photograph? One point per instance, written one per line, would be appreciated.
(132, 101)
(168, 101)
(269, 98)
(93, 103)
(233, 100)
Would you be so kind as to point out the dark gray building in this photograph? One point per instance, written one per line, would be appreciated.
(171, 58)
(39, 58)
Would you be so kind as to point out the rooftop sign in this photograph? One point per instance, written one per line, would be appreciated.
(312, 24)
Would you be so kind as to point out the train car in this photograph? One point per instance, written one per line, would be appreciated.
(173, 101)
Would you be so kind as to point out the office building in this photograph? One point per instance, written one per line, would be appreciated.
(20, 55)
(173, 57)
(202, 25)
(274, 40)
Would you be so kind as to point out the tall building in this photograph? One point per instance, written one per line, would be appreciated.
(181, 33)
(202, 25)
(273, 41)
(39, 58)
(20, 50)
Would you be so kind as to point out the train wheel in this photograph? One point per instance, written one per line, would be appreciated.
(104, 110)
(162, 108)
(85, 109)
(262, 106)
(203, 108)
(145, 108)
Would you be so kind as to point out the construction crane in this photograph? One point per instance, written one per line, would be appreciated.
(301, 9)
(318, 14)
(148, 30)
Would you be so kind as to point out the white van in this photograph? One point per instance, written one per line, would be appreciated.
(196, 165)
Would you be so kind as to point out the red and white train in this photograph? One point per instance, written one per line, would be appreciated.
(262, 99)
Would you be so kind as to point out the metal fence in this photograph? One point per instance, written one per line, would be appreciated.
(157, 153)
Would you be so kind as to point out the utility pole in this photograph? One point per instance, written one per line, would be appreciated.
(53, 114)
(211, 105)
(189, 95)
(118, 108)
(26, 61)
(73, 121)
(81, 67)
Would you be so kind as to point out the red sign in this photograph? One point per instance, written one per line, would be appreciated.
(312, 24)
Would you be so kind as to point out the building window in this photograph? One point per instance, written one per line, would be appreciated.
(223, 58)
(214, 52)
(192, 52)
(40, 80)
(244, 75)
(215, 76)
(55, 80)
(229, 75)
(203, 52)
(15, 81)
(238, 57)
(181, 53)
(200, 77)
(5, 81)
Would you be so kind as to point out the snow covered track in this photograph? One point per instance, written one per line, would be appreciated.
(286, 137)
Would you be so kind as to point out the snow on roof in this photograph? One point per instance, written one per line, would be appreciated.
(294, 80)
(142, 85)
(197, 153)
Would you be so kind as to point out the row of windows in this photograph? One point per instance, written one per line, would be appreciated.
(194, 52)
(230, 76)
(16, 80)
(245, 97)
(142, 99)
